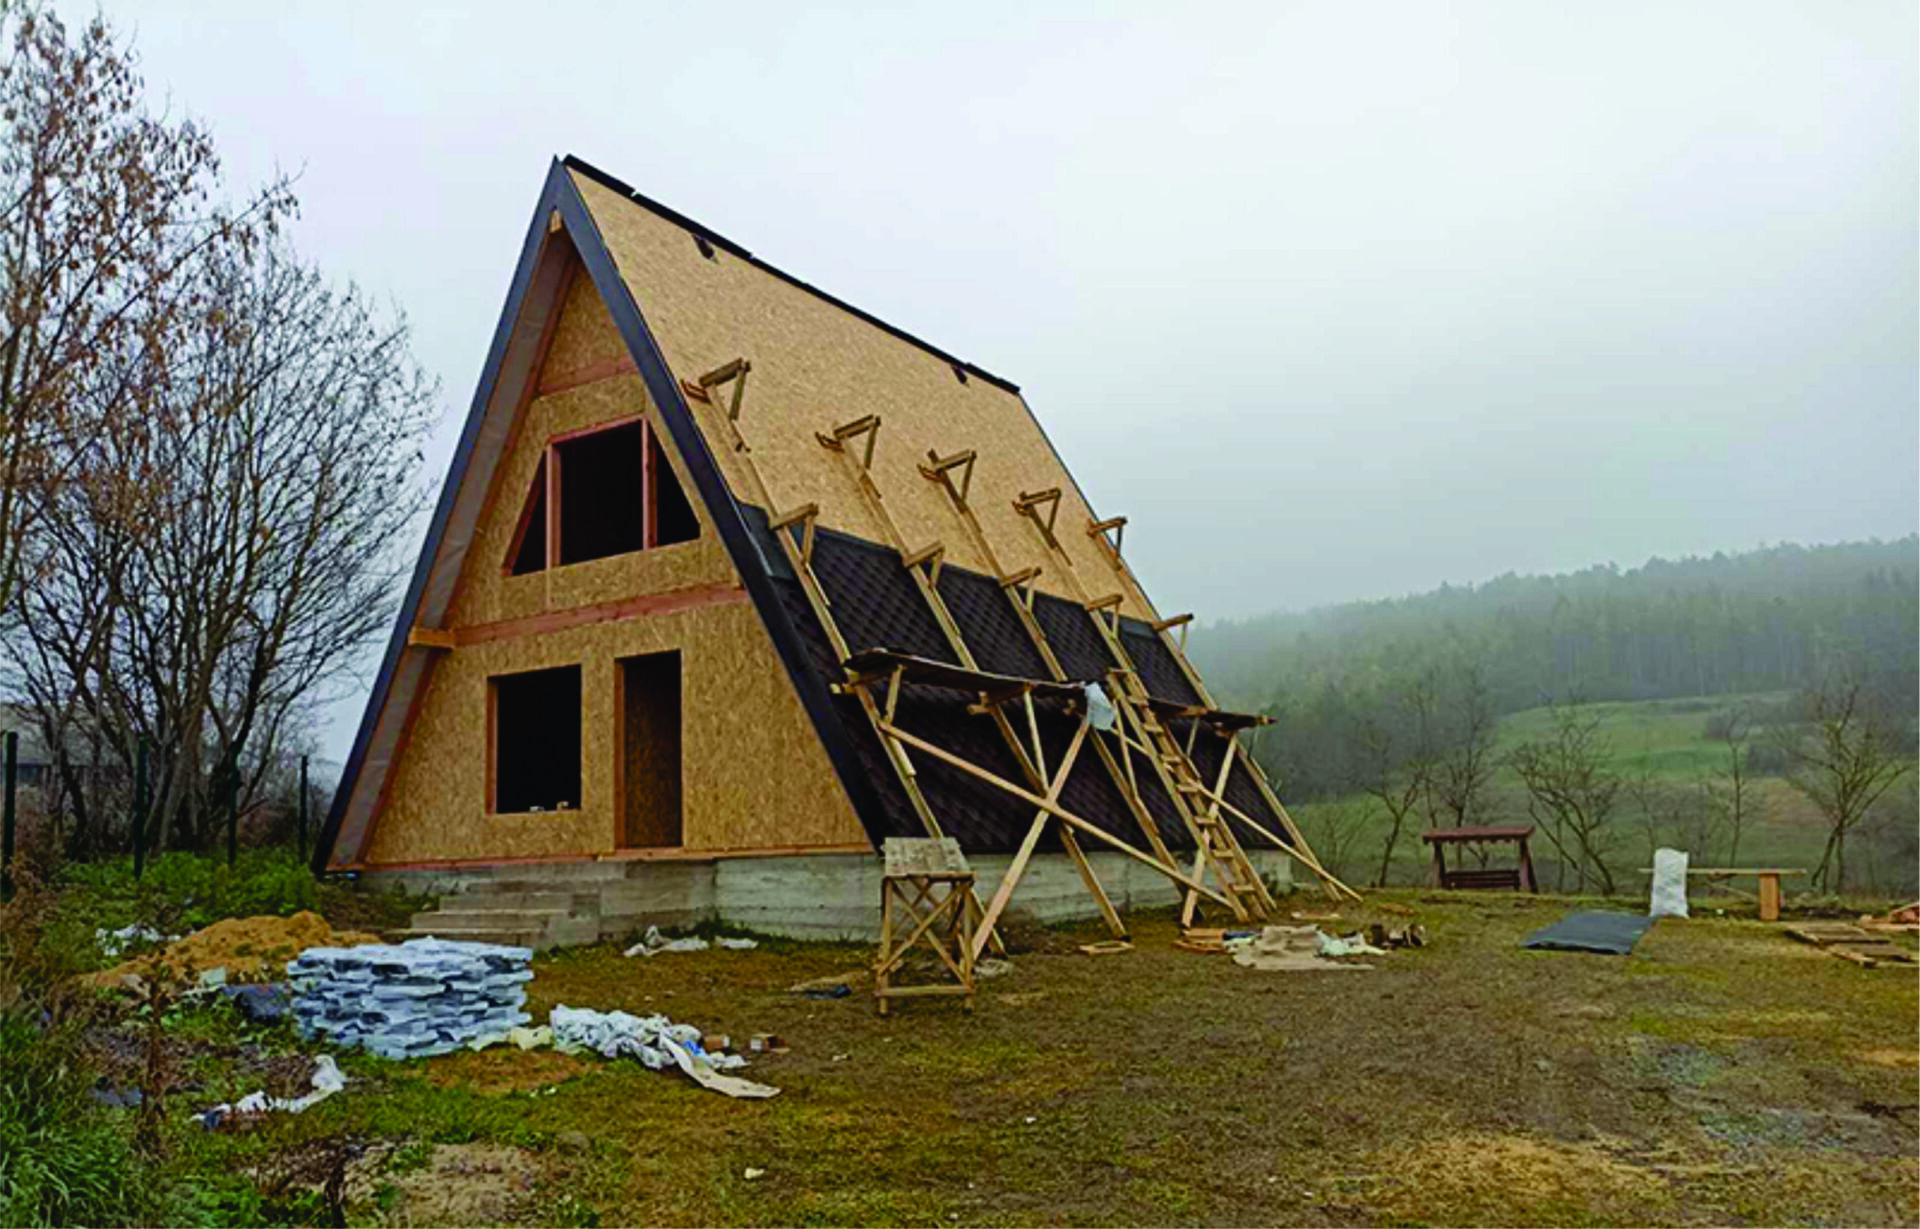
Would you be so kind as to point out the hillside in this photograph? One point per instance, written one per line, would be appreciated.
(1763, 620)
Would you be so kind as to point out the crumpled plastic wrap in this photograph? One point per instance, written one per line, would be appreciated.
(411, 1000)
(656, 1041)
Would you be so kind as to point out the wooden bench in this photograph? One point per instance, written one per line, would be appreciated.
(1507, 880)
(1768, 876)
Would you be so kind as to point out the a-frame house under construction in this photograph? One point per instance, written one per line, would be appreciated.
(728, 583)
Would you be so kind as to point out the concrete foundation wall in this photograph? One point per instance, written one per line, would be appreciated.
(818, 897)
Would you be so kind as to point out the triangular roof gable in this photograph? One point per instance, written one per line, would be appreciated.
(561, 228)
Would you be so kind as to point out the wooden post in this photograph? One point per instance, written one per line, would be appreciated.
(141, 803)
(7, 814)
(303, 808)
(233, 814)
(1769, 896)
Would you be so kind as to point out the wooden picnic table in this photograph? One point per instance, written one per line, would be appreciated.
(1769, 877)
(1512, 879)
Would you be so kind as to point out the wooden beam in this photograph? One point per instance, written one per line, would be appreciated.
(1054, 809)
(430, 637)
(725, 372)
(1019, 864)
(724, 594)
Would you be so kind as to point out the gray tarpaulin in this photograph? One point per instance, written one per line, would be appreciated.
(1613, 934)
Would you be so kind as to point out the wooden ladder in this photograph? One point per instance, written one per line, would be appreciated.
(1216, 847)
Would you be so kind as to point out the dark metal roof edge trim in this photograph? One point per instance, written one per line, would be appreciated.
(724, 510)
(437, 527)
(727, 245)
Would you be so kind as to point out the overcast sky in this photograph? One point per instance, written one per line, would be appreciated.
(1332, 300)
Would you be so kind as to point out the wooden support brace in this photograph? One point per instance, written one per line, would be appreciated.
(1058, 812)
(1030, 502)
(726, 371)
(933, 555)
(429, 637)
(939, 469)
(1023, 576)
(693, 392)
(1110, 602)
(868, 426)
(1118, 526)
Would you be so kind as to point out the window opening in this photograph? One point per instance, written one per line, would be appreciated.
(534, 748)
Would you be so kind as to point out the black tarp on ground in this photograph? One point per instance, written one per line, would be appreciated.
(1612, 934)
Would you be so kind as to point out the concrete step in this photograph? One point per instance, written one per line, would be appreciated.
(516, 930)
(544, 900)
(462, 916)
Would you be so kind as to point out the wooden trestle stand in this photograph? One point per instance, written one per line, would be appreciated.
(928, 884)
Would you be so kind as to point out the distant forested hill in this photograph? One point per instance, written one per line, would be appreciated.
(1762, 620)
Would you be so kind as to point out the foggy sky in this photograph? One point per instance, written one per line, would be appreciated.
(1333, 301)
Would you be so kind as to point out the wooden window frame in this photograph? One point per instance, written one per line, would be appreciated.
(549, 470)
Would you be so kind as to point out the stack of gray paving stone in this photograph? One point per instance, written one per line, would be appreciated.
(410, 1000)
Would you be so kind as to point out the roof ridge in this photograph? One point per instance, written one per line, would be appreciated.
(615, 184)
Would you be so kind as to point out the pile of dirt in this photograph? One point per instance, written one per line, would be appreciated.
(250, 949)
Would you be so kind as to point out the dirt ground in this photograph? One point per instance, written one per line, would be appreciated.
(1721, 1074)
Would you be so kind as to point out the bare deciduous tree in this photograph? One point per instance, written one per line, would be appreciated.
(1571, 791)
(1464, 768)
(263, 561)
(103, 207)
(1730, 792)
(1399, 755)
(1849, 754)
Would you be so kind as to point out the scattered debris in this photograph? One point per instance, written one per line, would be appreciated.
(1333, 946)
(1314, 915)
(250, 949)
(412, 1000)
(1106, 947)
(832, 986)
(1904, 919)
(992, 967)
(1866, 948)
(1390, 937)
(327, 1080)
(1286, 949)
(655, 944)
(753, 1175)
(738, 945)
(767, 1043)
(1203, 940)
(266, 1004)
(113, 942)
(657, 1042)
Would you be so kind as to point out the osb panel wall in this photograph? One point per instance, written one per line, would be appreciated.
(487, 594)
(754, 774)
(816, 366)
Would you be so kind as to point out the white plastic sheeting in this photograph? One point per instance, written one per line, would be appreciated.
(656, 1041)
(411, 1000)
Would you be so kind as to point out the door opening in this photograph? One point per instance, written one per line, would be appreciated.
(648, 711)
